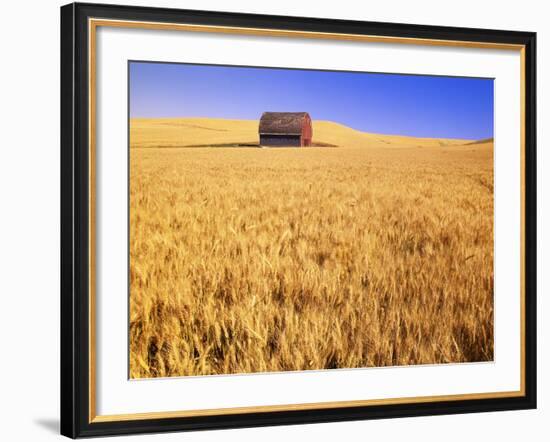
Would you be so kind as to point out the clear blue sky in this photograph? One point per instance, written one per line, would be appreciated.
(415, 105)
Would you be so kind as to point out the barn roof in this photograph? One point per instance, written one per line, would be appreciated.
(282, 123)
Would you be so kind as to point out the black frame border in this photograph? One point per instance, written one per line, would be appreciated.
(75, 220)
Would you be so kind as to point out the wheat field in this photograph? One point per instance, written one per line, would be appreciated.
(378, 252)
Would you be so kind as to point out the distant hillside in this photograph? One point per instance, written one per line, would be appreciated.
(188, 132)
(483, 141)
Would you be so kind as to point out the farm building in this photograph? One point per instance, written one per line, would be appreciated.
(278, 129)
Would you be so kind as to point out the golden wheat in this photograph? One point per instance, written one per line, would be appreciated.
(249, 260)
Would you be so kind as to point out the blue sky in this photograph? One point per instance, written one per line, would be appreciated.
(414, 105)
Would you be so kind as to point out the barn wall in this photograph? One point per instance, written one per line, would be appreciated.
(280, 140)
(307, 131)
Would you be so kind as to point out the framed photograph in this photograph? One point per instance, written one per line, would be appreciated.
(272, 220)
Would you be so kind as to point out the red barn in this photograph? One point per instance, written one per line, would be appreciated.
(280, 129)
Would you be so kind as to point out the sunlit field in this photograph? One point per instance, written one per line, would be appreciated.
(378, 252)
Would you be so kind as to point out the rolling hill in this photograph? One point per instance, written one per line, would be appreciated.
(202, 132)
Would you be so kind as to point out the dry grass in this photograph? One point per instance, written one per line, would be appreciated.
(247, 260)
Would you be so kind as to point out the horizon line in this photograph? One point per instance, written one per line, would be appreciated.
(486, 139)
